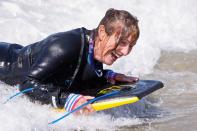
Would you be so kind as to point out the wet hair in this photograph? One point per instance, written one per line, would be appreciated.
(114, 18)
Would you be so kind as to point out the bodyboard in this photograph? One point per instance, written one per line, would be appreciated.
(129, 93)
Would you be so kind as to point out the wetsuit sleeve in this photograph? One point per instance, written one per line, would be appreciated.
(45, 93)
(109, 74)
(51, 58)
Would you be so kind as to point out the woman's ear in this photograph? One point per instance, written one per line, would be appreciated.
(101, 32)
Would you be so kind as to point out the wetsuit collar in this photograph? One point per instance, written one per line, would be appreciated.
(90, 58)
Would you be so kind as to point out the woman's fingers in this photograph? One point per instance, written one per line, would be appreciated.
(85, 110)
(124, 78)
(90, 108)
(132, 79)
(88, 97)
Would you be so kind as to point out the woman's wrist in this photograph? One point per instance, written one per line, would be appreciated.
(110, 75)
(71, 101)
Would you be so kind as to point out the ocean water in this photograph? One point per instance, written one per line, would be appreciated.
(166, 51)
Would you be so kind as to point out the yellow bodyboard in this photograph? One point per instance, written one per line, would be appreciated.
(103, 105)
(114, 103)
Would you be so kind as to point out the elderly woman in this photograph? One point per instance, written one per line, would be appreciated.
(65, 64)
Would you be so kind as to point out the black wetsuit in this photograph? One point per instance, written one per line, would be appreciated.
(48, 66)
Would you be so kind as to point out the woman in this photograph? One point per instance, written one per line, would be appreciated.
(64, 64)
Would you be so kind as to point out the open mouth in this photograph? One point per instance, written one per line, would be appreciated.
(115, 55)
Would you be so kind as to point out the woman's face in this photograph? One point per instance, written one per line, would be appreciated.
(112, 47)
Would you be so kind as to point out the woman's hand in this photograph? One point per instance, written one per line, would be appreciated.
(85, 110)
(123, 78)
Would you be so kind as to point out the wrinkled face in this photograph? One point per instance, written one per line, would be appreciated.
(113, 47)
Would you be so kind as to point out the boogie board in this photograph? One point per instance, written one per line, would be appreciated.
(128, 93)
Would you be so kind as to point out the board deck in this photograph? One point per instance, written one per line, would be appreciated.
(129, 93)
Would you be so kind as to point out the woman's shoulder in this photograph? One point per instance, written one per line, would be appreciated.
(72, 34)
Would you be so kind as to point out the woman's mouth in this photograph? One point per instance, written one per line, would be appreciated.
(114, 55)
